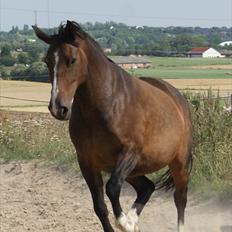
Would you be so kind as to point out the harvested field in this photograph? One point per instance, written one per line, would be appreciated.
(224, 86)
(24, 96)
(34, 96)
(226, 67)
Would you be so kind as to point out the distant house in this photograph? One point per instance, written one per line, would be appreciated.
(129, 62)
(19, 50)
(204, 52)
(107, 50)
(32, 40)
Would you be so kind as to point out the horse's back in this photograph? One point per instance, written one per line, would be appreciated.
(169, 90)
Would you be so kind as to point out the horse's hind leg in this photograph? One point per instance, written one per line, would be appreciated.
(144, 188)
(180, 176)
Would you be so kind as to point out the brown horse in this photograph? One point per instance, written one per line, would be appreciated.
(118, 124)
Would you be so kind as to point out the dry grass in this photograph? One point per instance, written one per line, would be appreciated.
(24, 96)
(203, 85)
(25, 136)
(225, 67)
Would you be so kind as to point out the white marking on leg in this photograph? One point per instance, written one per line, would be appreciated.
(181, 227)
(122, 220)
(133, 216)
(129, 222)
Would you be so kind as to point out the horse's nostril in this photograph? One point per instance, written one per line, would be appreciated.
(63, 111)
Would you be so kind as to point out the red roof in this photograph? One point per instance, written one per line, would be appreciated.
(199, 49)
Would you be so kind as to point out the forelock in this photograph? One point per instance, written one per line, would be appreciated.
(64, 35)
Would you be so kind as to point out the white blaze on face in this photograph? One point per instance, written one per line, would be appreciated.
(55, 89)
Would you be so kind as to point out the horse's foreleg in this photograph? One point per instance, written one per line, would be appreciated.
(125, 164)
(144, 188)
(95, 183)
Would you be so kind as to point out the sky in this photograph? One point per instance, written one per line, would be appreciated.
(158, 13)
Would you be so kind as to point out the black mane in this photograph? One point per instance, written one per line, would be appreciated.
(67, 33)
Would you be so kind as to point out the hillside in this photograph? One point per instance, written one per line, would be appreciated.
(21, 52)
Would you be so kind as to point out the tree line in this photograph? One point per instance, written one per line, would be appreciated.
(21, 52)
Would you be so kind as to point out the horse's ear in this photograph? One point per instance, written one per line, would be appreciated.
(41, 35)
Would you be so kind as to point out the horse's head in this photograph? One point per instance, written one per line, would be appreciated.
(67, 65)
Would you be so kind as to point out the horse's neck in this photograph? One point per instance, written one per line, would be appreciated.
(107, 85)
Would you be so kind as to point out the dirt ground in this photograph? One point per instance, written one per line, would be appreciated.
(39, 197)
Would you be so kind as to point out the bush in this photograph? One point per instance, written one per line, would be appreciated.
(19, 71)
(212, 142)
(7, 60)
(37, 69)
(25, 137)
(23, 58)
(4, 74)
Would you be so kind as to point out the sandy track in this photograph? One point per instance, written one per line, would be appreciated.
(37, 197)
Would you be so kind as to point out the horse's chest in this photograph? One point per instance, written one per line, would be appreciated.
(95, 144)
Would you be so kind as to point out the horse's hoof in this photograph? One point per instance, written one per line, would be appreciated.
(130, 229)
(136, 228)
(126, 224)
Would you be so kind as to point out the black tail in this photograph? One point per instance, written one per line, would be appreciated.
(190, 162)
(165, 182)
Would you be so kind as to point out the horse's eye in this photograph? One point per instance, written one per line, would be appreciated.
(70, 62)
(73, 60)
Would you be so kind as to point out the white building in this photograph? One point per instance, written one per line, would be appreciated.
(204, 53)
(226, 43)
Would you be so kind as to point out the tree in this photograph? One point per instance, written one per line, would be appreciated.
(4, 74)
(7, 60)
(25, 28)
(14, 30)
(34, 55)
(37, 69)
(19, 71)
(6, 50)
(23, 58)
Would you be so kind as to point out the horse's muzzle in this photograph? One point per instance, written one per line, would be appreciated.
(59, 111)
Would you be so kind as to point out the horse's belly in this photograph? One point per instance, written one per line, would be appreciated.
(157, 154)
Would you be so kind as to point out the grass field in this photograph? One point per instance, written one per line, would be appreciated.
(188, 62)
(163, 67)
